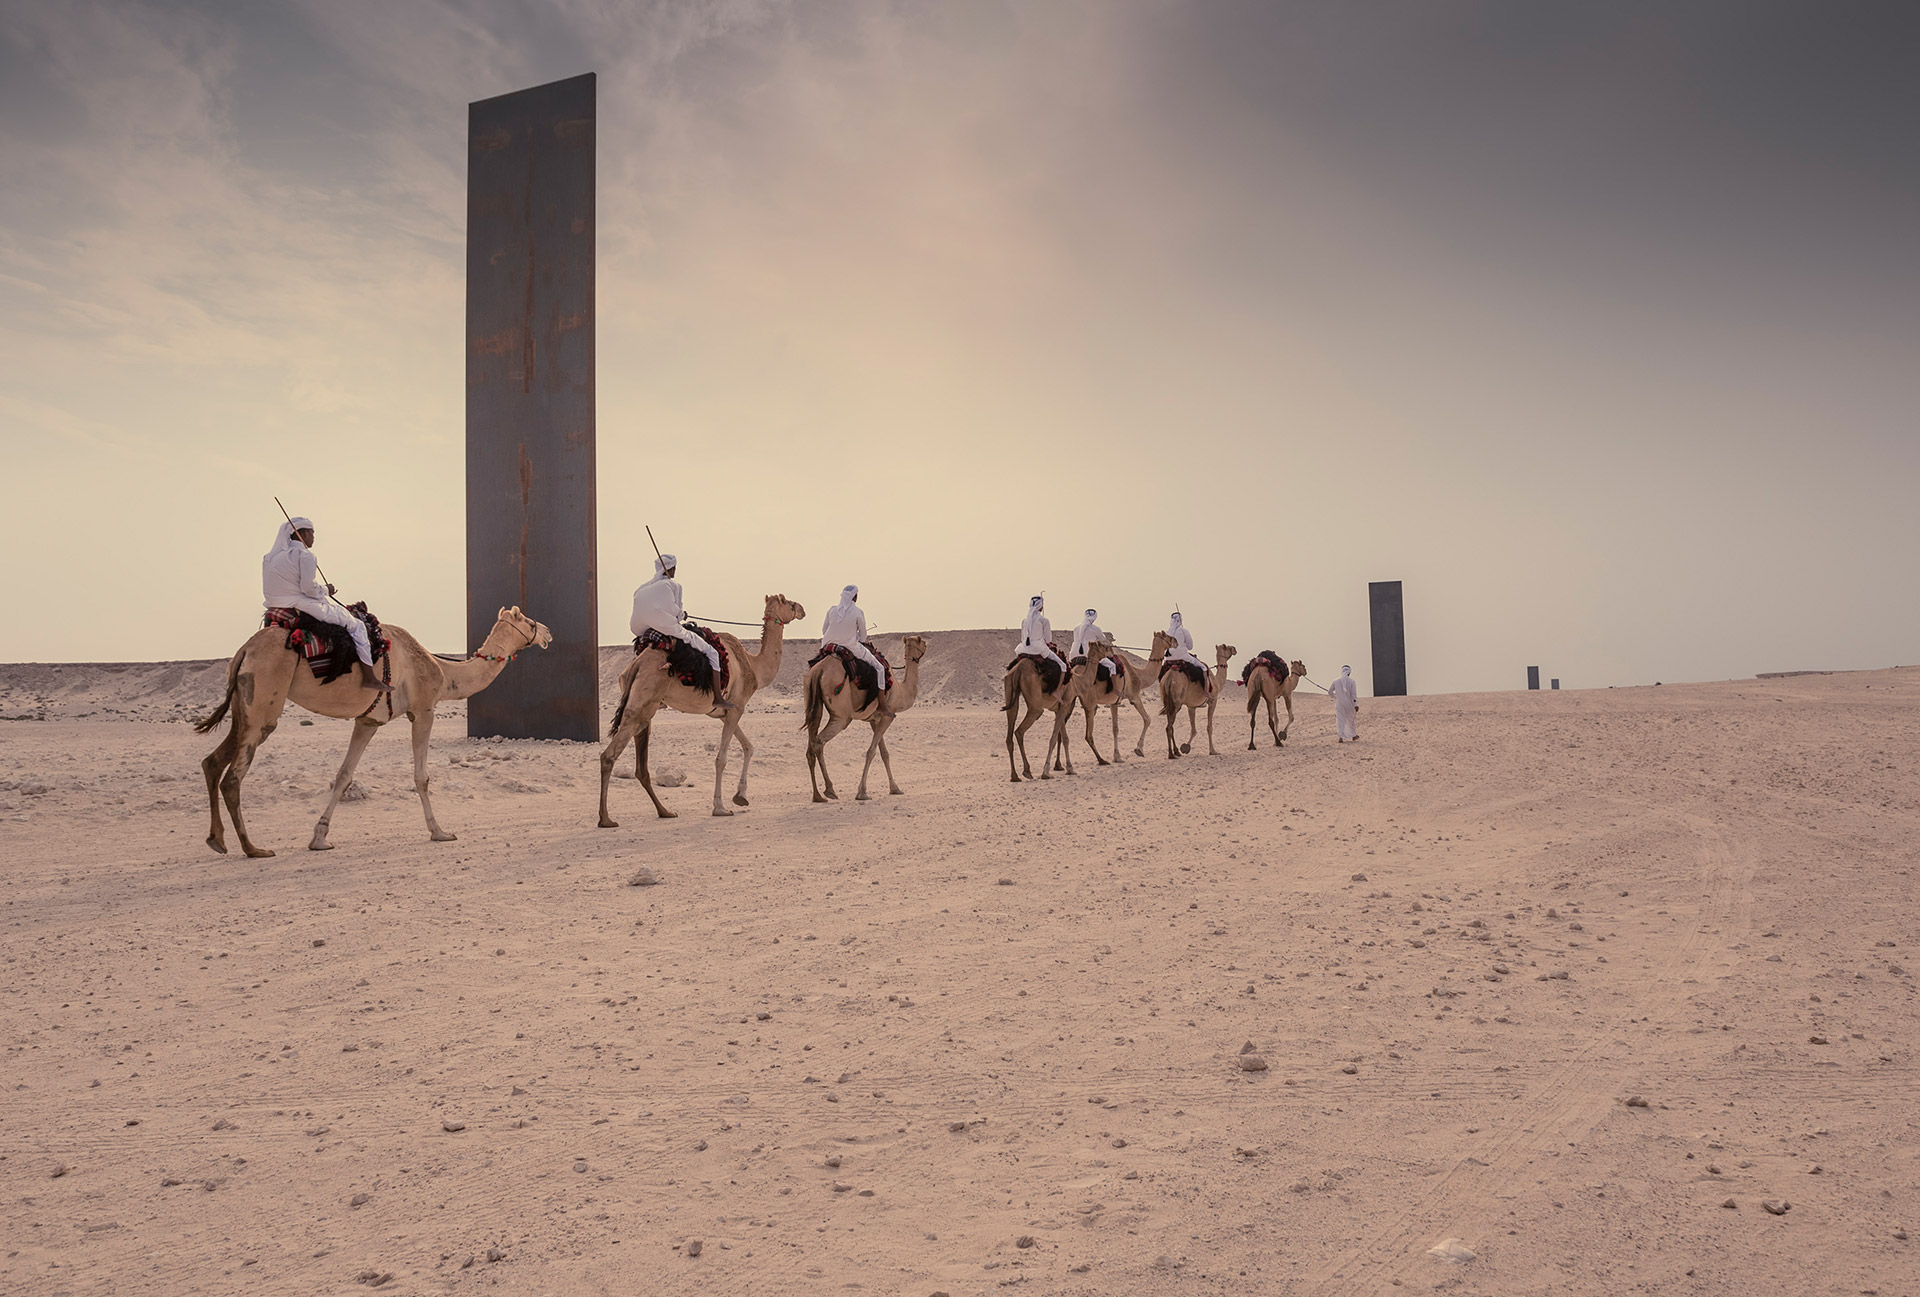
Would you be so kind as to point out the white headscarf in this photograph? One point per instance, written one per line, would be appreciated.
(1091, 614)
(286, 531)
(664, 564)
(1346, 671)
(1173, 623)
(1037, 603)
(849, 594)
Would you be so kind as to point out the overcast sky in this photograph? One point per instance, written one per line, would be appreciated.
(1596, 324)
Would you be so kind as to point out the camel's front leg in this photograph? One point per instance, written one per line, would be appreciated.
(362, 734)
(422, 731)
(879, 724)
(1173, 744)
(1026, 723)
(727, 731)
(1288, 699)
(817, 754)
(1146, 723)
(1193, 728)
(746, 759)
(886, 762)
(230, 789)
(1211, 750)
(1273, 722)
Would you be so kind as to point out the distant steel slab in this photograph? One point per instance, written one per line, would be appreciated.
(530, 403)
(1389, 639)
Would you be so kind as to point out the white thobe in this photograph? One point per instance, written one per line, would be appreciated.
(1182, 650)
(1083, 634)
(290, 578)
(846, 626)
(1036, 638)
(656, 606)
(1346, 706)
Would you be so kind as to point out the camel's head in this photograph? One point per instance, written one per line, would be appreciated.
(783, 610)
(1299, 668)
(1161, 643)
(1098, 650)
(916, 647)
(536, 635)
(1224, 652)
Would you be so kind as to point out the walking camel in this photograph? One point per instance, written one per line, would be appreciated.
(265, 675)
(1265, 684)
(646, 686)
(1127, 685)
(1024, 686)
(828, 692)
(1178, 690)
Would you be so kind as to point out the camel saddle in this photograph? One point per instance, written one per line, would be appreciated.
(864, 677)
(1110, 668)
(327, 648)
(1194, 672)
(1048, 668)
(1273, 662)
(686, 663)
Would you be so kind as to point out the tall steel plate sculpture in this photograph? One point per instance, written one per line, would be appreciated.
(530, 402)
(1389, 639)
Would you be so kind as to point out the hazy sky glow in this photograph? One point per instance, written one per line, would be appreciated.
(1598, 325)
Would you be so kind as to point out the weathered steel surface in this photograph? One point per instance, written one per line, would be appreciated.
(1389, 639)
(530, 403)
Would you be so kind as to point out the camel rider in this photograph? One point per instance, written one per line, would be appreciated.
(1346, 705)
(846, 627)
(290, 578)
(1182, 650)
(1088, 633)
(1036, 634)
(657, 606)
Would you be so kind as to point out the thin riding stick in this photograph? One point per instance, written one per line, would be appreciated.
(316, 562)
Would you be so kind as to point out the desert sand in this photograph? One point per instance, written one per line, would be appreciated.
(1575, 983)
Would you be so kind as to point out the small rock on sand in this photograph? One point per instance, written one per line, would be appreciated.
(1731, 1205)
(359, 1200)
(643, 877)
(1025, 1240)
(1777, 1206)
(1636, 1102)
(1351, 1069)
(495, 1254)
(1452, 1251)
(59, 1169)
(1252, 1063)
(695, 1247)
(453, 1127)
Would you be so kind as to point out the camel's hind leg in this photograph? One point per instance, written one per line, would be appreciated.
(636, 726)
(886, 762)
(1286, 696)
(746, 759)
(1093, 715)
(362, 734)
(1273, 722)
(817, 755)
(1211, 750)
(1171, 713)
(1193, 727)
(214, 767)
(1146, 723)
(1020, 733)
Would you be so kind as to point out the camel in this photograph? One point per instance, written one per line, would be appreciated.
(1128, 687)
(1177, 691)
(829, 691)
(646, 685)
(1262, 685)
(1023, 686)
(265, 675)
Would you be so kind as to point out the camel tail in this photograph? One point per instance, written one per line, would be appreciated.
(816, 704)
(620, 711)
(220, 713)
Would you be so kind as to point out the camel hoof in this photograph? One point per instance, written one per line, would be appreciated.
(606, 823)
(669, 815)
(721, 810)
(1016, 779)
(1251, 747)
(1185, 748)
(896, 792)
(832, 796)
(739, 799)
(444, 836)
(217, 845)
(861, 797)
(818, 798)
(318, 844)
(261, 853)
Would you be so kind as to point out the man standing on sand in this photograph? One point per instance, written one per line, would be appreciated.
(1346, 705)
(846, 627)
(657, 607)
(290, 578)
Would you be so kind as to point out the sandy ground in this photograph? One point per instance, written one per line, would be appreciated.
(983, 1036)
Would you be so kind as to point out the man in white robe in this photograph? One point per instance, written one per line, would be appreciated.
(1346, 704)
(290, 578)
(846, 627)
(1182, 650)
(1088, 632)
(1036, 634)
(657, 606)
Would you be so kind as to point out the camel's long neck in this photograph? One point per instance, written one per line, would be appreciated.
(773, 645)
(467, 678)
(906, 687)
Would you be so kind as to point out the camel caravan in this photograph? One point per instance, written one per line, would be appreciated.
(341, 661)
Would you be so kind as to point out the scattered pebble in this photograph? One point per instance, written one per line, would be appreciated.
(1777, 1206)
(643, 877)
(495, 1254)
(453, 1127)
(359, 1200)
(695, 1247)
(1351, 1069)
(1452, 1251)
(1025, 1240)
(1636, 1102)
(1252, 1063)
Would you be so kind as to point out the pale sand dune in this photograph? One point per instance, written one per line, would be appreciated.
(1722, 872)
